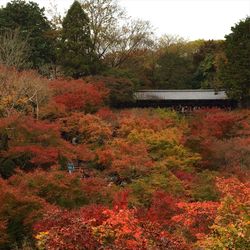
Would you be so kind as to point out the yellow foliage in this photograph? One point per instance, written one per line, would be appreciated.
(42, 238)
(170, 135)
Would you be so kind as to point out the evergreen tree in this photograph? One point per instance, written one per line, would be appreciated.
(76, 53)
(30, 20)
(235, 73)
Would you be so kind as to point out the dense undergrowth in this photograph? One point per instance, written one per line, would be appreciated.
(143, 179)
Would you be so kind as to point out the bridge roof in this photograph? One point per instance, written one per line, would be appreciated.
(184, 94)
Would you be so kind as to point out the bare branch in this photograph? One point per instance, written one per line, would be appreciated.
(14, 49)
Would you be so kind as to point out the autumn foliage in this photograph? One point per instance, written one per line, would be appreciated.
(78, 95)
(142, 178)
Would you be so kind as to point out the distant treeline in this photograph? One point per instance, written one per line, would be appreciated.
(97, 38)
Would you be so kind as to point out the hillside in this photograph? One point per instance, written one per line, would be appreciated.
(79, 175)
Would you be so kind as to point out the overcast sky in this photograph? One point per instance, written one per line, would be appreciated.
(191, 19)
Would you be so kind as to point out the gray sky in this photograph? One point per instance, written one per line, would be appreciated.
(191, 19)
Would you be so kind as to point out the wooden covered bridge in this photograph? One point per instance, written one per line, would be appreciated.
(188, 98)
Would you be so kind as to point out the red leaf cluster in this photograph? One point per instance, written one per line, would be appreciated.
(78, 95)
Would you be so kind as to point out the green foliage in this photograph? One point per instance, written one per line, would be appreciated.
(173, 71)
(127, 74)
(235, 73)
(76, 53)
(144, 188)
(232, 236)
(165, 147)
(8, 165)
(168, 113)
(203, 188)
(206, 61)
(30, 19)
(137, 68)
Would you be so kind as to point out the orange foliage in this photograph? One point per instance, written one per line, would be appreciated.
(163, 208)
(221, 137)
(61, 188)
(69, 229)
(78, 95)
(99, 227)
(120, 229)
(23, 92)
(214, 123)
(39, 142)
(88, 129)
(234, 188)
(106, 114)
(125, 158)
(230, 229)
(196, 217)
(130, 120)
(143, 165)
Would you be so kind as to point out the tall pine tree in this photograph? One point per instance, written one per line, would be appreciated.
(77, 56)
